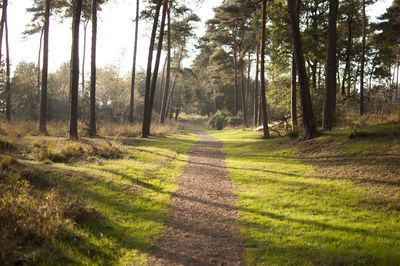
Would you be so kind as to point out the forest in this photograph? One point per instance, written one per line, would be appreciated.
(270, 138)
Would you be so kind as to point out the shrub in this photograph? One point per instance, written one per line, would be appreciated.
(6, 145)
(6, 162)
(223, 118)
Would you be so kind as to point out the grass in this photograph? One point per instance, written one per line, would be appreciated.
(97, 209)
(328, 201)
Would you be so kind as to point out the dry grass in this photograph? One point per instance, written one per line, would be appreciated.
(19, 129)
(33, 218)
(135, 130)
(66, 151)
(351, 118)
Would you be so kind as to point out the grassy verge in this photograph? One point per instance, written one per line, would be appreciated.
(98, 202)
(331, 201)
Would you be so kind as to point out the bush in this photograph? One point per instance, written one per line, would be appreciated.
(223, 118)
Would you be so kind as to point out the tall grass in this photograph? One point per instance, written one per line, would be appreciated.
(18, 129)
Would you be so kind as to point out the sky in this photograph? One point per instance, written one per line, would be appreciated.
(115, 34)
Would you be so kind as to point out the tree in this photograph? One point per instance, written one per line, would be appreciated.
(363, 59)
(166, 90)
(149, 104)
(145, 127)
(309, 126)
(43, 93)
(74, 83)
(263, 98)
(2, 23)
(330, 79)
(92, 111)
(132, 99)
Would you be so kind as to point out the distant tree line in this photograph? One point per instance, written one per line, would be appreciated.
(259, 60)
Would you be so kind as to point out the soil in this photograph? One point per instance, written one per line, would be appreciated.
(202, 228)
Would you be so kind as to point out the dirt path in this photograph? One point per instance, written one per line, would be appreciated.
(202, 229)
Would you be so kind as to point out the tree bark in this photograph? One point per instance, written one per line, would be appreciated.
(38, 80)
(74, 83)
(145, 132)
(346, 74)
(43, 93)
(293, 105)
(256, 101)
(92, 126)
(156, 67)
(165, 94)
(8, 79)
(133, 79)
(330, 79)
(364, 33)
(2, 22)
(309, 126)
(161, 93)
(263, 97)
(244, 106)
(235, 96)
(397, 81)
(84, 53)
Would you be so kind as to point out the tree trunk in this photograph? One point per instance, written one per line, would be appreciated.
(74, 83)
(244, 106)
(156, 66)
(8, 79)
(248, 79)
(346, 74)
(397, 81)
(92, 126)
(309, 126)
(364, 33)
(145, 132)
(293, 106)
(330, 79)
(263, 97)
(84, 53)
(161, 93)
(256, 101)
(2, 22)
(166, 90)
(38, 80)
(133, 79)
(235, 96)
(43, 94)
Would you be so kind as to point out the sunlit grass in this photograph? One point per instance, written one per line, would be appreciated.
(131, 196)
(290, 214)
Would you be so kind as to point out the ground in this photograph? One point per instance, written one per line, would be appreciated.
(331, 200)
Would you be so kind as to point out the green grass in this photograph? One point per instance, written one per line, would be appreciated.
(131, 196)
(292, 213)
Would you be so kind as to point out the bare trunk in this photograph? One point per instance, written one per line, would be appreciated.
(148, 105)
(364, 18)
(92, 126)
(256, 101)
(346, 74)
(74, 83)
(309, 126)
(293, 105)
(2, 22)
(43, 95)
(133, 79)
(161, 91)
(8, 80)
(244, 106)
(330, 79)
(263, 97)
(38, 80)
(397, 81)
(235, 96)
(84, 53)
(166, 91)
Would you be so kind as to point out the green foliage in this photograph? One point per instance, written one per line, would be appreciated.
(223, 118)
